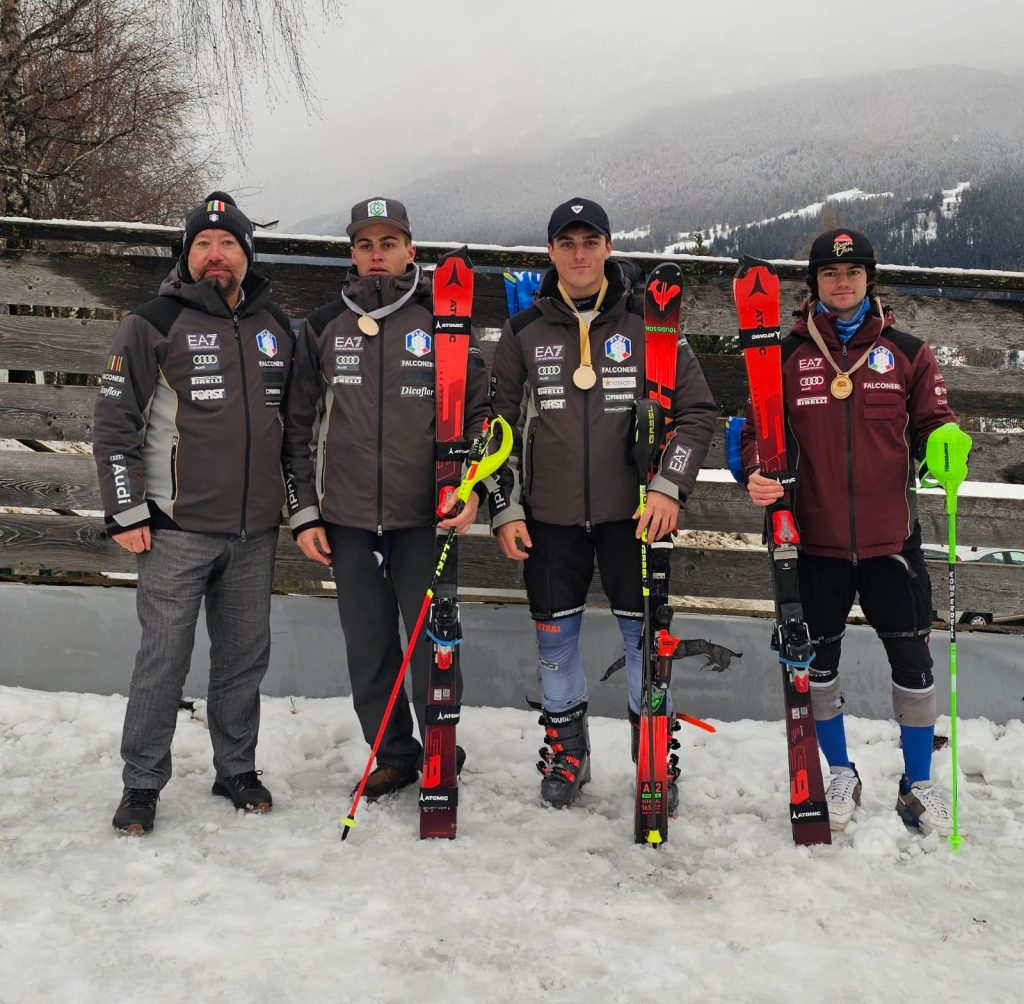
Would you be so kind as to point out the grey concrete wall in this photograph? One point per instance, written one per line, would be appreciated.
(84, 639)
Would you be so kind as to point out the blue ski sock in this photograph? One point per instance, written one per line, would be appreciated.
(917, 751)
(560, 664)
(832, 740)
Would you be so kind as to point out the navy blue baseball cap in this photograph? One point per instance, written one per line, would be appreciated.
(578, 210)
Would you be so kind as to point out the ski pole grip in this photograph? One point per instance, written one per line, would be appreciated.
(946, 458)
(482, 464)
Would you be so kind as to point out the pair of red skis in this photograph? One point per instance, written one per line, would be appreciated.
(756, 293)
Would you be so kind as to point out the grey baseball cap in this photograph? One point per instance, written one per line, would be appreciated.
(378, 210)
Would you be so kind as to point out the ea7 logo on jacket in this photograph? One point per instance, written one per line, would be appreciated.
(199, 343)
(816, 363)
(417, 342)
(348, 343)
(619, 348)
(548, 353)
(267, 343)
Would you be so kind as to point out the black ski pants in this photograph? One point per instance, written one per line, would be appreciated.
(378, 579)
(896, 597)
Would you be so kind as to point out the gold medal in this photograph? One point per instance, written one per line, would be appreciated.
(367, 325)
(841, 386)
(584, 377)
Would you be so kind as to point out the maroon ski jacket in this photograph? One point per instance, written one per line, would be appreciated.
(856, 457)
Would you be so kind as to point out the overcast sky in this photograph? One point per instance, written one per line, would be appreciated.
(405, 86)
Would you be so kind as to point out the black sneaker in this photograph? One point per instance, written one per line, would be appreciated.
(386, 780)
(137, 811)
(245, 790)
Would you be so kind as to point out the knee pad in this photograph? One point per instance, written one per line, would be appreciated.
(827, 699)
(916, 708)
(825, 665)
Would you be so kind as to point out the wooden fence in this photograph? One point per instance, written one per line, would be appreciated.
(63, 287)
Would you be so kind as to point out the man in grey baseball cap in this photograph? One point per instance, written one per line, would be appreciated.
(379, 210)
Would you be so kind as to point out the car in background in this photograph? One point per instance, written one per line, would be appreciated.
(986, 556)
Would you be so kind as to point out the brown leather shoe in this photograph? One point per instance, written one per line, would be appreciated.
(386, 780)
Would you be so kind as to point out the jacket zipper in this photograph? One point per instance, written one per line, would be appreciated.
(586, 462)
(380, 418)
(529, 462)
(847, 407)
(174, 472)
(248, 429)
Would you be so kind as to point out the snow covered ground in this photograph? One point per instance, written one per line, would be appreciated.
(527, 905)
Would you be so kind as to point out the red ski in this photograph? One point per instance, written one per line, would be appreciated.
(756, 291)
(453, 308)
(662, 316)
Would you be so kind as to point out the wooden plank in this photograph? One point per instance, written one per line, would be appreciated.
(54, 343)
(34, 544)
(995, 457)
(68, 481)
(46, 411)
(135, 235)
(116, 282)
(49, 412)
(41, 343)
(122, 281)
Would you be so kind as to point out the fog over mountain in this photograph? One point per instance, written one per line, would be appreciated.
(737, 159)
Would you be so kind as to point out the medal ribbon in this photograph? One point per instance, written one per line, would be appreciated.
(820, 342)
(391, 307)
(584, 326)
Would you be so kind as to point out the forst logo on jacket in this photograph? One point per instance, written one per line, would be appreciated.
(843, 245)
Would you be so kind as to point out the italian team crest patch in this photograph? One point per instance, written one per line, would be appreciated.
(881, 360)
(267, 343)
(618, 348)
(418, 342)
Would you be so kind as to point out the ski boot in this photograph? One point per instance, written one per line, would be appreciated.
(673, 758)
(566, 764)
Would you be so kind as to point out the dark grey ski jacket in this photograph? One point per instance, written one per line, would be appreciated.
(570, 464)
(187, 420)
(360, 418)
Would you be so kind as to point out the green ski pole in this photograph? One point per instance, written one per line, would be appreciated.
(946, 460)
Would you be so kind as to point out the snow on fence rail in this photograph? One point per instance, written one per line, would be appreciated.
(64, 284)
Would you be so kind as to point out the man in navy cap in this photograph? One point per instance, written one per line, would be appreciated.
(566, 374)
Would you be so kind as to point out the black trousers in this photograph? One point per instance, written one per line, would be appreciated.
(378, 580)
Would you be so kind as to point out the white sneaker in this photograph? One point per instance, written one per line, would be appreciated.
(842, 796)
(926, 806)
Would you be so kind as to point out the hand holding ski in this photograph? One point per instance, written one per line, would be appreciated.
(482, 464)
(756, 292)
